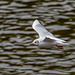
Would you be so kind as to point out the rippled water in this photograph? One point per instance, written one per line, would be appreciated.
(17, 57)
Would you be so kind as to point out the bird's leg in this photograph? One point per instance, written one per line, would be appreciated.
(59, 46)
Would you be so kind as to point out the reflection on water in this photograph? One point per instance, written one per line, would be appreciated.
(17, 56)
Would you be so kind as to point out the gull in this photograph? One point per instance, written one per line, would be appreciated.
(46, 39)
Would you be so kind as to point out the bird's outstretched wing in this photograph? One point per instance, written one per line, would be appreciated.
(40, 29)
(49, 39)
(52, 39)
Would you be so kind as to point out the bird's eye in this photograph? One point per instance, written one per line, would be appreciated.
(35, 41)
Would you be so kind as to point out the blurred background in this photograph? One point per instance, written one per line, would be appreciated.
(17, 57)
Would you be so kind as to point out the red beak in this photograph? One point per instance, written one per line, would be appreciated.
(32, 44)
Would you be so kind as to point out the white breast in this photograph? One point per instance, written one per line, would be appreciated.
(46, 44)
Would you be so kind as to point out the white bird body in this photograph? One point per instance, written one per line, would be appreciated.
(46, 44)
(46, 39)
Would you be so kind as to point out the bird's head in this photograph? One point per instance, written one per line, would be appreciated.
(35, 42)
(60, 44)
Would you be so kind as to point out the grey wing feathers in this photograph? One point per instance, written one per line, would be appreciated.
(40, 29)
(48, 39)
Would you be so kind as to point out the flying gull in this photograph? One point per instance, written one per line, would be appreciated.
(46, 39)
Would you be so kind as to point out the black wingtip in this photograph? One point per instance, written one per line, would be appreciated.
(39, 21)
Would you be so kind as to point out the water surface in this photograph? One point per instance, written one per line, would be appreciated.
(17, 57)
